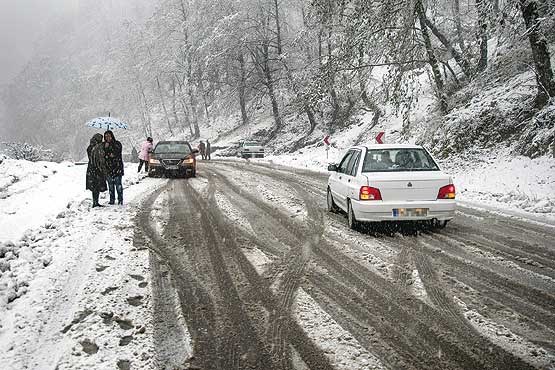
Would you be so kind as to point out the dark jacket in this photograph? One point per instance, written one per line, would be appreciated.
(96, 169)
(114, 160)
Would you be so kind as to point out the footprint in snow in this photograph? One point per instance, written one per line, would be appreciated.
(125, 340)
(135, 301)
(137, 277)
(89, 347)
(124, 365)
(124, 324)
(109, 290)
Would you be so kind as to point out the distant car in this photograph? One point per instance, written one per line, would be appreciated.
(387, 182)
(173, 158)
(251, 149)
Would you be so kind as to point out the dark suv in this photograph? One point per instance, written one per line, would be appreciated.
(173, 158)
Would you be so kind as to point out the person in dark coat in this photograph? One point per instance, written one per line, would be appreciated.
(134, 155)
(208, 149)
(96, 169)
(114, 162)
(202, 149)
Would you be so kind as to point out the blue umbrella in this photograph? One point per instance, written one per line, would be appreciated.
(107, 123)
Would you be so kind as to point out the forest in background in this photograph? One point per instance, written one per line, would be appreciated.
(171, 67)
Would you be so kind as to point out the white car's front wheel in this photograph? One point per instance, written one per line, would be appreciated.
(332, 207)
(353, 223)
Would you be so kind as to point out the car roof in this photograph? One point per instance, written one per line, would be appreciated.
(389, 146)
(173, 142)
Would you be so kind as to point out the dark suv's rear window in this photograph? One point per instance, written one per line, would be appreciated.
(181, 148)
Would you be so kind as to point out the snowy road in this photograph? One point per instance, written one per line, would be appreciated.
(267, 279)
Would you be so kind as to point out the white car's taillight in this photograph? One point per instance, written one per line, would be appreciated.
(446, 192)
(369, 193)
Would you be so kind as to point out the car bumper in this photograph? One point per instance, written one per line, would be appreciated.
(252, 154)
(161, 170)
(372, 211)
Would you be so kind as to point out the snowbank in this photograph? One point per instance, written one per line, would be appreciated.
(74, 292)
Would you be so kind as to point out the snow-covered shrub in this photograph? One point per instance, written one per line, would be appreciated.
(484, 128)
(538, 136)
(19, 263)
(28, 152)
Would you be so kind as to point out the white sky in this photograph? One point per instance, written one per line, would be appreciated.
(21, 22)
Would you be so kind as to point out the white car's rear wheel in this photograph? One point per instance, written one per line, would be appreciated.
(332, 207)
(353, 223)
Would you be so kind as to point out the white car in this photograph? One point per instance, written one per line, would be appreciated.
(251, 149)
(390, 182)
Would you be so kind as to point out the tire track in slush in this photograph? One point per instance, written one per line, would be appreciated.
(242, 348)
(488, 351)
(403, 347)
(195, 302)
(293, 271)
(527, 300)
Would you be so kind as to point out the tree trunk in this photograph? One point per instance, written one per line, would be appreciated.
(278, 27)
(192, 99)
(174, 103)
(331, 83)
(271, 93)
(142, 96)
(482, 35)
(432, 60)
(540, 52)
(362, 80)
(458, 26)
(201, 88)
(242, 88)
(184, 105)
(461, 60)
(164, 104)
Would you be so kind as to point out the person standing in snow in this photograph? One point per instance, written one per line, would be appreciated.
(114, 162)
(202, 149)
(96, 169)
(207, 149)
(134, 155)
(144, 155)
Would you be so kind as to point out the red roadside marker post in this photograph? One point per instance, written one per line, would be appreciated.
(379, 137)
(327, 143)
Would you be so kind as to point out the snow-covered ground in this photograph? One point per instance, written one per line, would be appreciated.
(61, 259)
(69, 274)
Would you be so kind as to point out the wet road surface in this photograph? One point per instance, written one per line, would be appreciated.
(246, 246)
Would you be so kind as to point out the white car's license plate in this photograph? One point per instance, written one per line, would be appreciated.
(410, 212)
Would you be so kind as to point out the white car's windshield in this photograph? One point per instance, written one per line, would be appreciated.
(398, 160)
(251, 144)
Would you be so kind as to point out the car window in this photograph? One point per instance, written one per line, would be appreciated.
(353, 163)
(398, 159)
(344, 162)
(181, 148)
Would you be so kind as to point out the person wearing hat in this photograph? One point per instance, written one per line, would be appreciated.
(114, 161)
(144, 155)
(96, 169)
